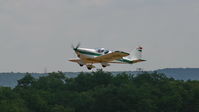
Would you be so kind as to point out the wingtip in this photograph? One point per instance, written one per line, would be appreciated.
(71, 60)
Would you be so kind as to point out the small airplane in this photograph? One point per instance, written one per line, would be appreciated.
(103, 56)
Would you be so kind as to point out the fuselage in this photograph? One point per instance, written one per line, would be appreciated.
(84, 53)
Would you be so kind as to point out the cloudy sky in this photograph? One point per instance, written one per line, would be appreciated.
(37, 34)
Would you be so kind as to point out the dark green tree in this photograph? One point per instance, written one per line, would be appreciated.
(27, 81)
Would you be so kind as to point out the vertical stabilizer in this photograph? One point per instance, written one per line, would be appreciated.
(136, 53)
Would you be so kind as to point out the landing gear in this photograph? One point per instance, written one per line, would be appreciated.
(81, 65)
(103, 66)
(89, 67)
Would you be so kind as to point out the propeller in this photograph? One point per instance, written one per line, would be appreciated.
(77, 46)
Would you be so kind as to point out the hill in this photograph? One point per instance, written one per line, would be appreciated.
(181, 73)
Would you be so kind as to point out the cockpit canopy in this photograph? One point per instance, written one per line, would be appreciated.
(102, 50)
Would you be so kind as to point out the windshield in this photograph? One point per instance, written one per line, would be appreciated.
(101, 50)
(106, 51)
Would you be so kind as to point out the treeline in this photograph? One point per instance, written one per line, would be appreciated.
(101, 92)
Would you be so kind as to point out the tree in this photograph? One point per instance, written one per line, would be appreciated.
(27, 81)
(101, 92)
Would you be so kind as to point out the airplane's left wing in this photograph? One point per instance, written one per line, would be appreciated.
(109, 57)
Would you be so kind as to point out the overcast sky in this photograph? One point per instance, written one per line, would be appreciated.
(37, 34)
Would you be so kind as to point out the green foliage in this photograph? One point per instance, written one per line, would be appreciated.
(54, 81)
(101, 92)
(28, 80)
(11, 101)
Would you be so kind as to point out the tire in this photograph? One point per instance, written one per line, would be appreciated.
(89, 68)
(103, 66)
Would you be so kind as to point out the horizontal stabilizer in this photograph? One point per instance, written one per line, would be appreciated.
(137, 61)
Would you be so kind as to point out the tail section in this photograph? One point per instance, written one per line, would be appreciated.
(136, 54)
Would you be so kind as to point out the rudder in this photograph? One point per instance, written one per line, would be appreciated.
(137, 53)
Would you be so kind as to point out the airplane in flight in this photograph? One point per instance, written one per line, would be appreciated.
(88, 57)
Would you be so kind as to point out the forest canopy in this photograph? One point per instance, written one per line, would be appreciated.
(101, 92)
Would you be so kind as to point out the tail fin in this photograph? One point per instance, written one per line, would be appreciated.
(137, 53)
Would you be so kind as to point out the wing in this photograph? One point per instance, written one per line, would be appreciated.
(109, 57)
(75, 60)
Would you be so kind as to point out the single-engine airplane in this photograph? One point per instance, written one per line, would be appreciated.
(103, 56)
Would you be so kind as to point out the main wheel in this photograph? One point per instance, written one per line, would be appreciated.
(89, 68)
(81, 65)
(104, 66)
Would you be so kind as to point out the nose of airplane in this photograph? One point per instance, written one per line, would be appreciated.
(76, 47)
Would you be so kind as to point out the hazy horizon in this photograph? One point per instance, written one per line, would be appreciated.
(37, 34)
